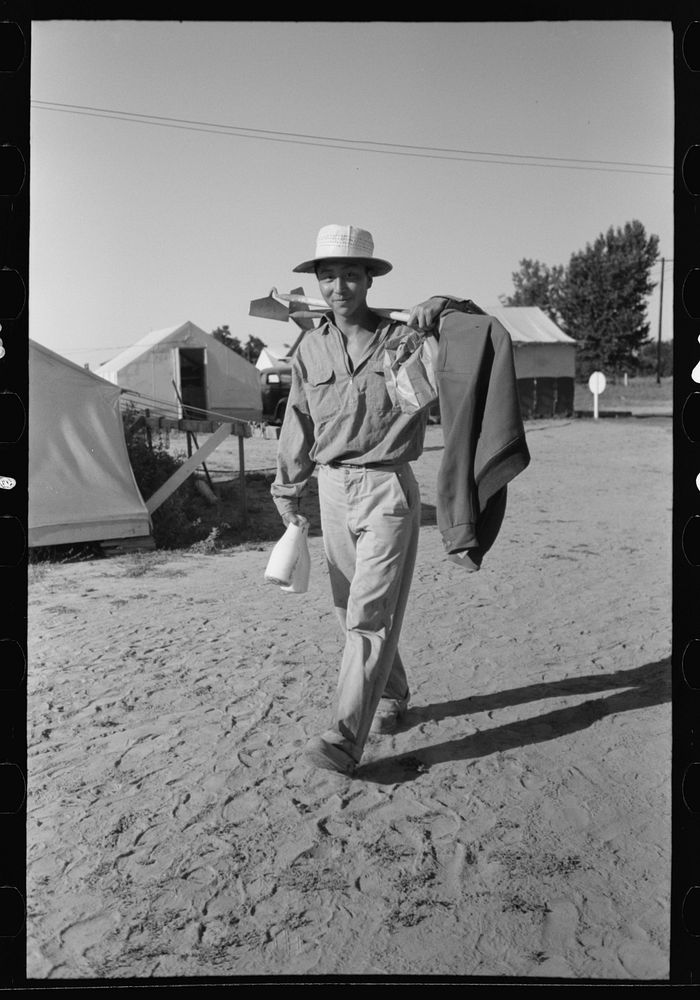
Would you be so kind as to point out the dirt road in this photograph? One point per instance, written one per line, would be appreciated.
(518, 825)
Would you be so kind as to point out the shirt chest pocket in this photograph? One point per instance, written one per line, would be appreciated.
(322, 391)
(378, 398)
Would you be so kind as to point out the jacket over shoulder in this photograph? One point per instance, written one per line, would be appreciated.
(485, 446)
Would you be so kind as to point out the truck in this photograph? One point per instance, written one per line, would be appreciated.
(275, 385)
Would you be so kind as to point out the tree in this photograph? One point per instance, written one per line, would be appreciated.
(537, 284)
(653, 355)
(250, 350)
(603, 301)
(224, 336)
(599, 299)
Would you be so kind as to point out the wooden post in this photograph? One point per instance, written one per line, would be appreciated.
(191, 436)
(241, 479)
(188, 467)
(658, 340)
(149, 439)
(204, 464)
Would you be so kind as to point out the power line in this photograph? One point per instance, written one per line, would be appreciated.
(440, 149)
(92, 350)
(363, 145)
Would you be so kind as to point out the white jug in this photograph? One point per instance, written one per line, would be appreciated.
(289, 564)
(302, 569)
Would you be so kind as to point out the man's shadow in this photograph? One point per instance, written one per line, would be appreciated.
(644, 686)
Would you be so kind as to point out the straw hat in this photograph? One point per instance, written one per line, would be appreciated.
(341, 242)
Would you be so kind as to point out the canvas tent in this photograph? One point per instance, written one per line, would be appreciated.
(189, 371)
(545, 360)
(266, 359)
(81, 485)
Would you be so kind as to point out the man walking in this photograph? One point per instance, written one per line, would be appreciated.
(341, 419)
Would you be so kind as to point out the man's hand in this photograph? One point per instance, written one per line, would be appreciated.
(297, 519)
(425, 314)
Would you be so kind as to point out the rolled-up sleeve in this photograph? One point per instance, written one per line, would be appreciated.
(294, 464)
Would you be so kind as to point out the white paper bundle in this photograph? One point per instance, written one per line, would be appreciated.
(409, 371)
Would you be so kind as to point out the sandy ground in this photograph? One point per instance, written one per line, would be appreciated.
(518, 824)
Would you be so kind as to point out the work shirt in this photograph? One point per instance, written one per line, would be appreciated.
(340, 413)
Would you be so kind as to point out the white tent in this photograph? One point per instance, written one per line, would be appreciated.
(266, 359)
(81, 484)
(190, 371)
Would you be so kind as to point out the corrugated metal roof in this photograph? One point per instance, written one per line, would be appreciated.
(529, 325)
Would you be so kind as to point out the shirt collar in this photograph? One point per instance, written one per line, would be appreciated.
(384, 323)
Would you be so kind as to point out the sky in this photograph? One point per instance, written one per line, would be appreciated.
(180, 170)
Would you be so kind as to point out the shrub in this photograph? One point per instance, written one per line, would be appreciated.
(152, 463)
(653, 356)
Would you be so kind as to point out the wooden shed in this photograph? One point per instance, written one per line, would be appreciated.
(545, 361)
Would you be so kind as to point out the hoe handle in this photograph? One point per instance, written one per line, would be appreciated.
(402, 317)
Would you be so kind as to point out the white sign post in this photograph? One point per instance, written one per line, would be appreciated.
(596, 384)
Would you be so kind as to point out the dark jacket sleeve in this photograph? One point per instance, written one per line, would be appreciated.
(483, 432)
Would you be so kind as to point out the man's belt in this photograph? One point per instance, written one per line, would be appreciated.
(365, 465)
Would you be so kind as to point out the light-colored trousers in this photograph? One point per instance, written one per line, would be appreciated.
(370, 519)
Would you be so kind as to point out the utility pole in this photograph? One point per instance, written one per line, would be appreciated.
(658, 342)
